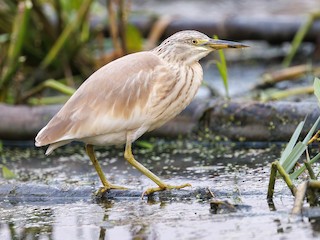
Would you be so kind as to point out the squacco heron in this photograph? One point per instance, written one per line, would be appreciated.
(130, 96)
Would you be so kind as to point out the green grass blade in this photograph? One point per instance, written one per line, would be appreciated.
(291, 143)
(297, 41)
(223, 69)
(288, 162)
(66, 34)
(59, 99)
(294, 156)
(7, 174)
(298, 172)
(19, 31)
(291, 160)
(303, 30)
(224, 75)
(54, 84)
(134, 40)
(316, 87)
(17, 40)
(145, 144)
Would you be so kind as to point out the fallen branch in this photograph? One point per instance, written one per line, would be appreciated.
(255, 121)
(235, 120)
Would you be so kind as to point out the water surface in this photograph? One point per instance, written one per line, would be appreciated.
(237, 174)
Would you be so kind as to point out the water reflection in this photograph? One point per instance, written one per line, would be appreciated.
(70, 221)
(315, 223)
(24, 225)
(136, 229)
(142, 219)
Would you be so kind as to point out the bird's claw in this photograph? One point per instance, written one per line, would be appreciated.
(100, 193)
(150, 191)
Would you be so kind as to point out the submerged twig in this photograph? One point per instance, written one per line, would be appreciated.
(305, 189)
(299, 197)
(211, 193)
(220, 206)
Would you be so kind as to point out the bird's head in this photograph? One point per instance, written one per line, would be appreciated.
(190, 46)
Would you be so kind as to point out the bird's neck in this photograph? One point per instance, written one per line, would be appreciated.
(182, 58)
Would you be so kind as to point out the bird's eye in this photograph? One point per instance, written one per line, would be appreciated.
(194, 41)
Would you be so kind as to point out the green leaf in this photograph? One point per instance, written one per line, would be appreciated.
(223, 69)
(144, 144)
(69, 6)
(54, 84)
(66, 34)
(291, 143)
(294, 156)
(291, 154)
(316, 86)
(293, 151)
(298, 172)
(7, 174)
(298, 38)
(133, 39)
(17, 40)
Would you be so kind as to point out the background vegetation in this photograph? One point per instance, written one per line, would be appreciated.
(53, 44)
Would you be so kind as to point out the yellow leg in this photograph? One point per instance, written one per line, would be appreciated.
(162, 186)
(106, 184)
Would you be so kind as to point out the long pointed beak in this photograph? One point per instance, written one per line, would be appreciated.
(221, 44)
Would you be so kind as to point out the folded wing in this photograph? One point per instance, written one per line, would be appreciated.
(111, 100)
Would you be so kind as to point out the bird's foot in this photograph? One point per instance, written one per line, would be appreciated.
(105, 189)
(150, 191)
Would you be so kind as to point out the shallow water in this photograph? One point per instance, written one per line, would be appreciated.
(237, 174)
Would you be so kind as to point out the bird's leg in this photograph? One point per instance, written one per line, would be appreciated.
(162, 186)
(106, 184)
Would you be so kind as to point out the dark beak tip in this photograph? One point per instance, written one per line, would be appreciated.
(244, 45)
(237, 45)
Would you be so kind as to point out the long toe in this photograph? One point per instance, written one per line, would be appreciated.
(112, 186)
(102, 191)
(150, 191)
(179, 186)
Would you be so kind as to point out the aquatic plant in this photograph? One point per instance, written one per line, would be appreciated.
(287, 166)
